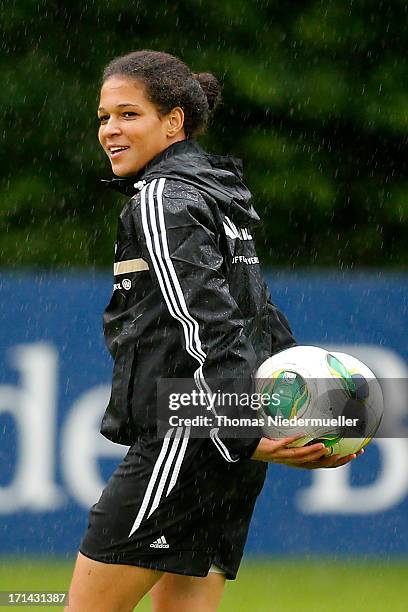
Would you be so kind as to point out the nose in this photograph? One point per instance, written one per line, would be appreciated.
(111, 127)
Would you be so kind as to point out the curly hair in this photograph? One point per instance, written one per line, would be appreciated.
(168, 83)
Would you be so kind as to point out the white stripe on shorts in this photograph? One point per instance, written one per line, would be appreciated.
(166, 471)
(179, 460)
(174, 458)
(152, 481)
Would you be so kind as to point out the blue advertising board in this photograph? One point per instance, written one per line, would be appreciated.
(55, 382)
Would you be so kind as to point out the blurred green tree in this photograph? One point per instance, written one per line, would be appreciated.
(314, 100)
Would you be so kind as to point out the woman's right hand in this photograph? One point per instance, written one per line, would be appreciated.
(309, 457)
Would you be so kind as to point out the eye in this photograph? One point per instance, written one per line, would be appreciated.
(103, 119)
(130, 114)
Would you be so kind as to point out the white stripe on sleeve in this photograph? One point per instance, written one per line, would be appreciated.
(154, 228)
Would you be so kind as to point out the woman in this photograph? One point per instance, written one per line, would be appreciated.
(188, 301)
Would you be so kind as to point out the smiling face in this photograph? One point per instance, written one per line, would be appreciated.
(131, 130)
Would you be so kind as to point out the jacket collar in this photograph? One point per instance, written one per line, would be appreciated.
(132, 184)
(219, 177)
(127, 185)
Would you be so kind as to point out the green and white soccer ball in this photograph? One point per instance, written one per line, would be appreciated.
(331, 398)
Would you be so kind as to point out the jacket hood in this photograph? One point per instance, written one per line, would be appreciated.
(218, 176)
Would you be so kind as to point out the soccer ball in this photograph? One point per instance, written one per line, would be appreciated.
(331, 398)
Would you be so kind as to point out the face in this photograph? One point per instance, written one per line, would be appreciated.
(131, 130)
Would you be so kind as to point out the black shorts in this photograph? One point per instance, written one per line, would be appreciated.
(175, 505)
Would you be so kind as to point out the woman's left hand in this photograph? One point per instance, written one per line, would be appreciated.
(333, 461)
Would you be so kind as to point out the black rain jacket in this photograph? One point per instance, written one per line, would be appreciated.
(189, 298)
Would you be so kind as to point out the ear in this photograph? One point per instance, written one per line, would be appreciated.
(175, 121)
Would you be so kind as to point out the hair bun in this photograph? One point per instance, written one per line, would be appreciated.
(209, 84)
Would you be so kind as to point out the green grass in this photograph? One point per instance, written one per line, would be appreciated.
(268, 586)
